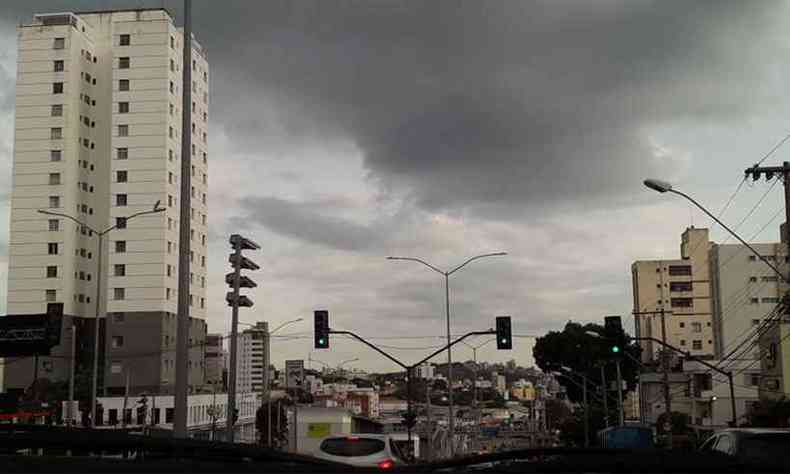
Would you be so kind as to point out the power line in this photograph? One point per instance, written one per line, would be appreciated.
(773, 150)
(751, 211)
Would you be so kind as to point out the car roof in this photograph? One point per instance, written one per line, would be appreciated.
(359, 435)
(754, 430)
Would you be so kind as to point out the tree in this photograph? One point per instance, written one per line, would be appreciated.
(579, 351)
(279, 436)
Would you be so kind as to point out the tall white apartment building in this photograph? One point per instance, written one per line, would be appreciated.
(250, 359)
(98, 137)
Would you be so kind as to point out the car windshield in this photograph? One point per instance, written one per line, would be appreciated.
(348, 447)
(765, 446)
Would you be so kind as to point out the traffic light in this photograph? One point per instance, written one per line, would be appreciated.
(321, 318)
(614, 335)
(504, 337)
(235, 279)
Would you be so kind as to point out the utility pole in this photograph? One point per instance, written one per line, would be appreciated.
(769, 171)
(605, 397)
(665, 364)
(125, 399)
(429, 440)
(184, 244)
(620, 412)
(235, 300)
(71, 412)
(586, 417)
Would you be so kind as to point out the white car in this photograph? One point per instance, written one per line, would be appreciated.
(361, 450)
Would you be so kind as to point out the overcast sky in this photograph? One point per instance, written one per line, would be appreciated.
(345, 131)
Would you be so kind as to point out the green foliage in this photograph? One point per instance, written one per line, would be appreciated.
(581, 352)
(279, 436)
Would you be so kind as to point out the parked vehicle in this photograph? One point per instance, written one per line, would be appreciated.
(361, 450)
(750, 444)
(627, 437)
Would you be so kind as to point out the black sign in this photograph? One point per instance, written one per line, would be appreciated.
(31, 334)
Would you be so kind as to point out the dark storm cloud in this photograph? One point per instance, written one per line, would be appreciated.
(303, 221)
(476, 103)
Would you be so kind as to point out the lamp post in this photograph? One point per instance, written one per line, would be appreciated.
(100, 236)
(446, 274)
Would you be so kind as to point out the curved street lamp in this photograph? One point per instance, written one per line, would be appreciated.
(446, 274)
(100, 235)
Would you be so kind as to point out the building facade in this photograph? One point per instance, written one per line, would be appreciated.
(250, 360)
(215, 361)
(98, 137)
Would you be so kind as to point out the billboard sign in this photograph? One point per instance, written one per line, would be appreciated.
(31, 334)
(294, 373)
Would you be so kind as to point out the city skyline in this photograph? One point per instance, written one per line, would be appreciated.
(319, 164)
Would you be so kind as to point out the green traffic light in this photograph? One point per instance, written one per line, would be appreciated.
(321, 341)
(615, 349)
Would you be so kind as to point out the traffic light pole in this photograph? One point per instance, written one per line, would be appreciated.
(410, 368)
(234, 333)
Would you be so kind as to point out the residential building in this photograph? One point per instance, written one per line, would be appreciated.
(205, 414)
(250, 358)
(774, 345)
(426, 371)
(97, 137)
(214, 360)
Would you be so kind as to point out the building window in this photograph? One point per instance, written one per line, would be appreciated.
(54, 224)
(57, 110)
(59, 43)
(123, 107)
(172, 87)
(770, 278)
(116, 368)
(123, 130)
(682, 343)
(54, 201)
(169, 177)
(203, 218)
(119, 293)
(167, 293)
(120, 246)
(52, 271)
(169, 247)
(202, 303)
(755, 322)
(122, 153)
(57, 87)
(679, 270)
(172, 66)
(203, 261)
(681, 302)
(57, 66)
(55, 155)
(696, 345)
(120, 270)
(123, 84)
(696, 327)
(170, 132)
(117, 342)
(172, 109)
(120, 222)
(753, 379)
(169, 200)
(680, 286)
(125, 40)
(752, 279)
(121, 176)
(54, 178)
(770, 299)
(752, 258)
(55, 133)
(50, 295)
(754, 300)
(123, 62)
(118, 317)
(120, 199)
(169, 270)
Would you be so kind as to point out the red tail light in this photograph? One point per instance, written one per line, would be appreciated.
(386, 464)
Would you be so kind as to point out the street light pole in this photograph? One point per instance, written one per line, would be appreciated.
(446, 274)
(100, 237)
